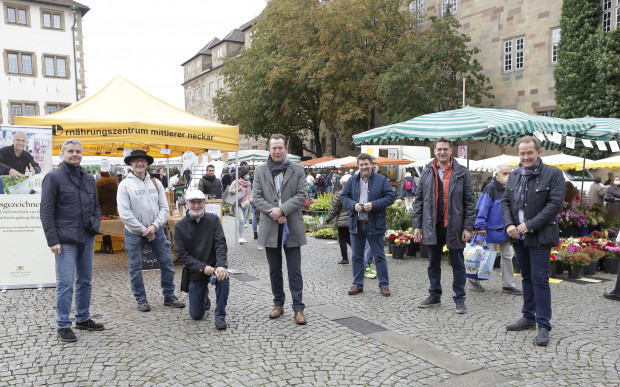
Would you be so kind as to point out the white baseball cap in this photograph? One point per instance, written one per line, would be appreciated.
(194, 194)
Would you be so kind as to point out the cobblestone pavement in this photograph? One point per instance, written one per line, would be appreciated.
(365, 339)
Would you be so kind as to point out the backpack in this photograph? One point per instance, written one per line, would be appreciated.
(408, 185)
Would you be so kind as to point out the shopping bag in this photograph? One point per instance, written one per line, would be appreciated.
(473, 258)
(486, 263)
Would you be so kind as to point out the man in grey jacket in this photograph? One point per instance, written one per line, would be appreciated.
(444, 214)
(143, 208)
(279, 193)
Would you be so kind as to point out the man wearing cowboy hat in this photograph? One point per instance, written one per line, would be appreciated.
(143, 208)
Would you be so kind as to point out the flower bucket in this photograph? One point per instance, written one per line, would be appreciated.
(575, 272)
(398, 252)
(412, 248)
(423, 251)
(551, 268)
(591, 268)
(559, 267)
(611, 265)
(569, 232)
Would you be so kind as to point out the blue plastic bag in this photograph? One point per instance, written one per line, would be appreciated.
(486, 263)
(479, 260)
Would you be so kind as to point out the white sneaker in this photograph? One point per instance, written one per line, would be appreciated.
(242, 241)
(260, 247)
(245, 225)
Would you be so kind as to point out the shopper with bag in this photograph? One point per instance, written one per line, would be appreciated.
(490, 225)
(443, 214)
(533, 198)
(242, 191)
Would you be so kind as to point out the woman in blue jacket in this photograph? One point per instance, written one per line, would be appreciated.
(489, 224)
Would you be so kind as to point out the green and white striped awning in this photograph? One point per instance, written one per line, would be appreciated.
(495, 125)
(604, 129)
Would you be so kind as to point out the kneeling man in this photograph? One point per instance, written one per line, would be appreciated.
(200, 244)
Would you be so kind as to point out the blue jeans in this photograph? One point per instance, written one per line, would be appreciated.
(534, 263)
(434, 268)
(161, 248)
(74, 260)
(367, 256)
(242, 217)
(198, 298)
(376, 241)
(254, 218)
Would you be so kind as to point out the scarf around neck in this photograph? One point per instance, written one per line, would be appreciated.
(521, 190)
(244, 186)
(277, 171)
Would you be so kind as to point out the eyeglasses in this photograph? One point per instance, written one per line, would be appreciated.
(139, 161)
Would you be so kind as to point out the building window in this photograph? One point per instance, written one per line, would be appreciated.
(17, 14)
(617, 13)
(220, 83)
(204, 93)
(607, 15)
(189, 98)
(555, 40)
(547, 113)
(514, 54)
(444, 6)
(219, 53)
(53, 107)
(55, 66)
(52, 19)
(23, 108)
(197, 95)
(19, 63)
(417, 6)
(211, 89)
(197, 66)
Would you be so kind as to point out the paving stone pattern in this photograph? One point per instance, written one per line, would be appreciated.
(399, 344)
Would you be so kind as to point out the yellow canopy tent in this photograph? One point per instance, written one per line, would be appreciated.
(121, 115)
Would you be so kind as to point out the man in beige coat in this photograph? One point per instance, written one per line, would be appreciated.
(279, 193)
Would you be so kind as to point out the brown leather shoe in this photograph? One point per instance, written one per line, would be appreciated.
(300, 319)
(276, 312)
(385, 291)
(355, 290)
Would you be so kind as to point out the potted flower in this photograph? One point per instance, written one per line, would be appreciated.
(576, 261)
(595, 255)
(401, 242)
(553, 259)
(612, 259)
(570, 222)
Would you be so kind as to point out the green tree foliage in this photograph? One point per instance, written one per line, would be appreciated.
(587, 77)
(429, 77)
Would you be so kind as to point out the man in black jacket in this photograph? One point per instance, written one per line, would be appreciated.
(200, 244)
(15, 160)
(70, 217)
(210, 185)
(532, 200)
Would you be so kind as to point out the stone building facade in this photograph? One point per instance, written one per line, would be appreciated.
(202, 77)
(41, 56)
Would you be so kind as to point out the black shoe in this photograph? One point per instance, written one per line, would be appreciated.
(460, 307)
(143, 306)
(476, 285)
(255, 235)
(220, 324)
(542, 339)
(89, 325)
(173, 302)
(612, 296)
(343, 262)
(429, 302)
(512, 290)
(100, 251)
(66, 335)
(521, 325)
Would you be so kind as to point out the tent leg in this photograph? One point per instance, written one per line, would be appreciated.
(585, 150)
(236, 239)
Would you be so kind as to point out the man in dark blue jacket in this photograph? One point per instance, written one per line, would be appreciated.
(367, 195)
(70, 217)
(532, 201)
(490, 224)
(200, 244)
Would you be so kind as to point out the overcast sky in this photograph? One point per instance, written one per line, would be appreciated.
(147, 40)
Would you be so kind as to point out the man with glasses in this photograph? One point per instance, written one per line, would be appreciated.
(143, 208)
(200, 244)
(210, 185)
(443, 214)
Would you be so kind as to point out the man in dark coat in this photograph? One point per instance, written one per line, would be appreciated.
(70, 218)
(15, 160)
(200, 244)
(210, 185)
(443, 214)
(533, 198)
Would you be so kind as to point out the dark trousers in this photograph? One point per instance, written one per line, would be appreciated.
(534, 264)
(344, 239)
(434, 267)
(617, 288)
(198, 293)
(293, 264)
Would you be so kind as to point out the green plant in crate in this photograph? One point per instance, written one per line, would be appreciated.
(325, 233)
(398, 218)
(322, 203)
